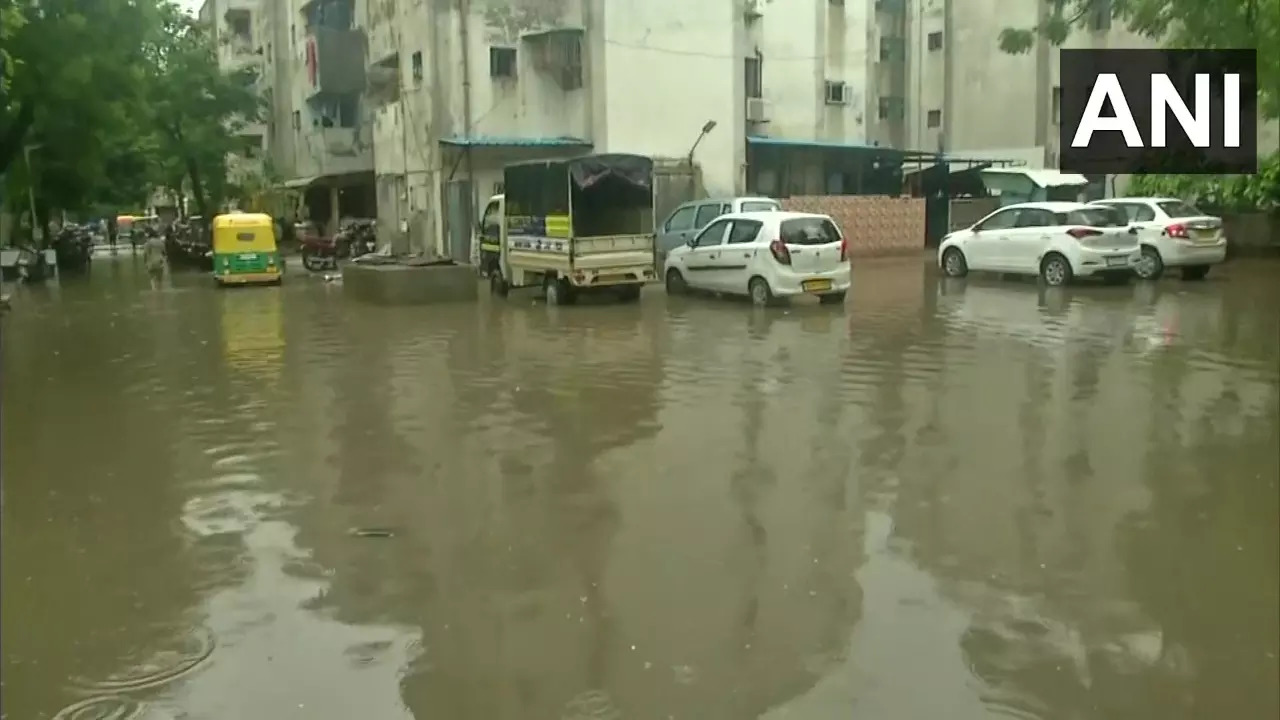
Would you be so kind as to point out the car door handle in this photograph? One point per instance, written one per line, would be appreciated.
(746, 255)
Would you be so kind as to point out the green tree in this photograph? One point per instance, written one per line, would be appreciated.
(1225, 24)
(196, 108)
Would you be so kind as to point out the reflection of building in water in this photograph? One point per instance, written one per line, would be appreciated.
(253, 331)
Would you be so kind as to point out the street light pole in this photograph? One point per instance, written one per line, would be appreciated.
(31, 188)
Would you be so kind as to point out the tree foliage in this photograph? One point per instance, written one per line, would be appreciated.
(1224, 24)
(1219, 193)
(111, 98)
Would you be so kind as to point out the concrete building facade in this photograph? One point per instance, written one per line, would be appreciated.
(968, 97)
(236, 30)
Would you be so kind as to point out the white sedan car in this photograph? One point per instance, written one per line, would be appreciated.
(763, 255)
(1057, 241)
(1173, 234)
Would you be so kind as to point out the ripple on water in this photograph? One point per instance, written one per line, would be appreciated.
(591, 705)
(229, 512)
(188, 654)
(102, 707)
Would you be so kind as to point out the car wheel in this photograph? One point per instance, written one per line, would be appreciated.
(1195, 272)
(761, 294)
(1150, 266)
(1055, 270)
(954, 264)
(832, 298)
(675, 283)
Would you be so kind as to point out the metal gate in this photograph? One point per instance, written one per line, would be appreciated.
(459, 218)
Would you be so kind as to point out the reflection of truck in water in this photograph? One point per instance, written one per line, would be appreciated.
(572, 226)
(253, 332)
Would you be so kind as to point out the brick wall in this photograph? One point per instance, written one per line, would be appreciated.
(875, 225)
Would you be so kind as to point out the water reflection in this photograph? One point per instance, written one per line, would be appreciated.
(949, 498)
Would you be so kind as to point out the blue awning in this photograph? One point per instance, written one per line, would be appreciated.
(501, 141)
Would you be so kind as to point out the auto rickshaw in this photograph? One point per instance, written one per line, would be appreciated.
(244, 250)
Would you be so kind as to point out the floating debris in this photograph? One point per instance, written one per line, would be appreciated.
(373, 532)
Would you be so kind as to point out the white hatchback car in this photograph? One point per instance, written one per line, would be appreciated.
(1057, 241)
(764, 255)
(1173, 233)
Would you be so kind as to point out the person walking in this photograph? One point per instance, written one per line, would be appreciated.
(153, 257)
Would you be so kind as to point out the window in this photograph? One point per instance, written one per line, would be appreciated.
(935, 118)
(753, 68)
(892, 48)
(1178, 209)
(297, 120)
(1100, 16)
(502, 62)
(760, 206)
(1034, 218)
(490, 224)
(744, 231)
(293, 35)
(571, 73)
(809, 231)
(1134, 212)
(1096, 216)
(935, 41)
(417, 67)
(1055, 105)
(713, 234)
(707, 213)
(680, 220)
(837, 92)
(891, 107)
(1002, 220)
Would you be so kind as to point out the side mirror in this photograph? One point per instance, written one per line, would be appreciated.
(1133, 229)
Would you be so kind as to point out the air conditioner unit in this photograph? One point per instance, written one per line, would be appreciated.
(759, 110)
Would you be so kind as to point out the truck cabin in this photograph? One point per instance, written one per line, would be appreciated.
(591, 196)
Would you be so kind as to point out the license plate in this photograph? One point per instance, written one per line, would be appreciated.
(249, 256)
(816, 285)
(1117, 261)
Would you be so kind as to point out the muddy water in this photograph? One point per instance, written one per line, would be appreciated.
(958, 500)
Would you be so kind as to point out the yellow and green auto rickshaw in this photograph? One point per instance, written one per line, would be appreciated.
(244, 250)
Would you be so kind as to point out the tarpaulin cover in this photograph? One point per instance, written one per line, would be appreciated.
(634, 169)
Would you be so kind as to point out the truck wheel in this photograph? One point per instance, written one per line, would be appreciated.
(558, 292)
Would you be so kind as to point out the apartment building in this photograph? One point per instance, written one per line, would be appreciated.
(234, 25)
(965, 95)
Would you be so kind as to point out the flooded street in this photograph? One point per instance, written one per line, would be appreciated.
(964, 500)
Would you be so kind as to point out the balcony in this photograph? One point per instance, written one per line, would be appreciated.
(339, 151)
(335, 61)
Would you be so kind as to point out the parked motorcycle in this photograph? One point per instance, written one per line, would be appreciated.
(32, 266)
(74, 247)
(319, 252)
(361, 238)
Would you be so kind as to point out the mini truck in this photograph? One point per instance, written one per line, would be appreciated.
(573, 226)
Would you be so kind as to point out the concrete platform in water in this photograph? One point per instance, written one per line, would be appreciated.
(395, 284)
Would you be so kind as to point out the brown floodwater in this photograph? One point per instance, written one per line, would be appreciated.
(959, 500)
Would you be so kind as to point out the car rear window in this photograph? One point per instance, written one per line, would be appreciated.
(759, 206)
(809, 231)
(1098, 216)
(1179, 209)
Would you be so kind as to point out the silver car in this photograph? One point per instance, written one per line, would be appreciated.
(685, 221)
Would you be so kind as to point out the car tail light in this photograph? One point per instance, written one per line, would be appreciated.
(844, 249)
(1082, 233)
(1177, 231)
(780, 252)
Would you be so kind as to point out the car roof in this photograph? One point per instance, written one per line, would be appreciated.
(1138, 200)
(1051, 206)
(779, 215)
(730, 199)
